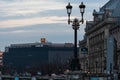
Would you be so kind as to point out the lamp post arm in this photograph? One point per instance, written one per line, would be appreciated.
(69, 21)
(82, 20)
(68, 18)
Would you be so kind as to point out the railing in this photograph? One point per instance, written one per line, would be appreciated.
(9, 77)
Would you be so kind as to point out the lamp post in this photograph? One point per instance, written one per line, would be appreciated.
(75, 24)
(96, 64)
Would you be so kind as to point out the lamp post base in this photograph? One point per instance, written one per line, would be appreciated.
(75, 65)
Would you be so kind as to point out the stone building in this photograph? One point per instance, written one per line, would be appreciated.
(83, 54)
(106, 23)
(1, 55)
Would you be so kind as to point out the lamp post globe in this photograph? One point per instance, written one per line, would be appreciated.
(82, 7)
(69, 11)
(82, 10)
(69, 8)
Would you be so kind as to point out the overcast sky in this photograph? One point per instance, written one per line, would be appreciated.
(26, 21)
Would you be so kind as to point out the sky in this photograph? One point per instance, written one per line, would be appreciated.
(26, 21)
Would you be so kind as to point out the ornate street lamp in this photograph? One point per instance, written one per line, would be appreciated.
(75, 24)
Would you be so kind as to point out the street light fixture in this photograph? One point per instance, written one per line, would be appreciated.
(69, 10)
(82, 10)
(75, 24)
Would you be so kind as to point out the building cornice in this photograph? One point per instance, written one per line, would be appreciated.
(100, 25)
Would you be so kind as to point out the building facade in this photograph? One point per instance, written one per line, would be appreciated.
(106, 23)
(37, 55)
(1, 55)
(83, 54)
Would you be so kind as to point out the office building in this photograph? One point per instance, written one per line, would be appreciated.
(37, 55)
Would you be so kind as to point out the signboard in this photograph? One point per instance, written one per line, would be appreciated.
(84, 50)
(43, 40)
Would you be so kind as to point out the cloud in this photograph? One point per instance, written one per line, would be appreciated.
(16, 32)
(31, 21)
(27, 7)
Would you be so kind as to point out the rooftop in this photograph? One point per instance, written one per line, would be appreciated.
(114, 6)
(41, 45)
